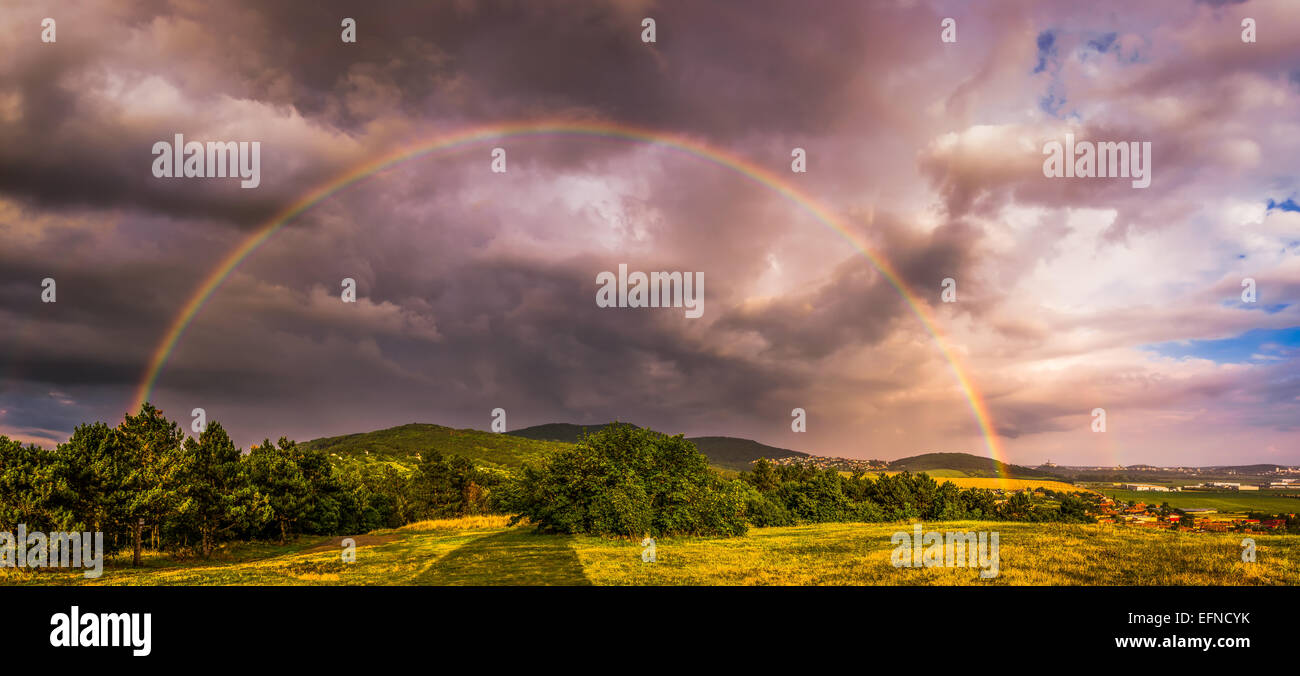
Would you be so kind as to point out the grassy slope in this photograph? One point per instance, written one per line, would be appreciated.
(738, 454)
(400, 444)
(484, 551)
(971, 465)
(935, 473)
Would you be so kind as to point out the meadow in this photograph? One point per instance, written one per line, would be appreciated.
(1014, 484)
(484, 550)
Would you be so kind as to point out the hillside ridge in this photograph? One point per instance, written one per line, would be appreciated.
(733, 453)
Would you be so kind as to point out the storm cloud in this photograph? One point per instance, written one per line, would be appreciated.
(476, 290)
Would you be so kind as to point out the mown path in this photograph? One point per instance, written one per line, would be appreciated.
(510, 558)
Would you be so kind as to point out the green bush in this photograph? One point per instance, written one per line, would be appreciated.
(628, 482)
(763, 512)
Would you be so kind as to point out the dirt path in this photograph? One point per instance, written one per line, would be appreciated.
(336, 543)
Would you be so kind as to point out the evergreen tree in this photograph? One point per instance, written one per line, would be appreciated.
(214, 493)
(276, 476)
(146, 461)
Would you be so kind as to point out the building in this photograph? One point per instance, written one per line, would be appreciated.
(1145, 487)
(1228, 486)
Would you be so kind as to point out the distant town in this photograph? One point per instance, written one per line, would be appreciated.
(1279, 470)
(1252, 477)
(830, 462)
(1280, 484)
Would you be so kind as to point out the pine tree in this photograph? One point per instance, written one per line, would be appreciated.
(147, 458)
(276, 476)
(213, 491)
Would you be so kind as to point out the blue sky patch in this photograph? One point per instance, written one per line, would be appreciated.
(1288, 205)
(1256, 345)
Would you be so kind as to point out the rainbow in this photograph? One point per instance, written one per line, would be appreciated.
(469, 137)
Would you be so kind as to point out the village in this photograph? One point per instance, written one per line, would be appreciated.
(1195, 519)
(835, 463)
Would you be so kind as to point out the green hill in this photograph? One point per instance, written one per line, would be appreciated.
(402, 444)
(970, 465)
(530, 444)
(731, 453)
(523, 446)
(738, 454)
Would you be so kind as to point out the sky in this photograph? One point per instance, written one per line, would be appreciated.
(476, 289)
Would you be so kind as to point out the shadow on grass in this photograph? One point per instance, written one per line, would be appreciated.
(515, 557)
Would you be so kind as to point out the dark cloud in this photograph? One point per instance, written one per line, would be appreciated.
(477, 289)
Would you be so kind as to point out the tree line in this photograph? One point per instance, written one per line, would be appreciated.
(146, 481)
(784, 495)
(626, 481)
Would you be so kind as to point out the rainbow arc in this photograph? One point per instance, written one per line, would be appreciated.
(477, 135)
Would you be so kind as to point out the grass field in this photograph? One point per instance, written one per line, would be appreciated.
(934, 473)
(485, 551)
(1016, 484)
(959, 479)
(1224, 501)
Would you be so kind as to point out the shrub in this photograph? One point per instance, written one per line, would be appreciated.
(625, 481)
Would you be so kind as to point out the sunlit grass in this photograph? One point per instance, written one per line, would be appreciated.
(487, 521)
(960, 480)
(483, 550)
(1030, 554)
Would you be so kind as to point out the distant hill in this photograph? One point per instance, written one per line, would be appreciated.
(1248, 469)
(529, 445)
(739, 454)
(401, 444)
(971, 465)
(732, 453)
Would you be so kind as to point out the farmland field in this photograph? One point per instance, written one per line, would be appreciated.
(1015, 484)
(1223, 501)
(960, 480)
(485, 551)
